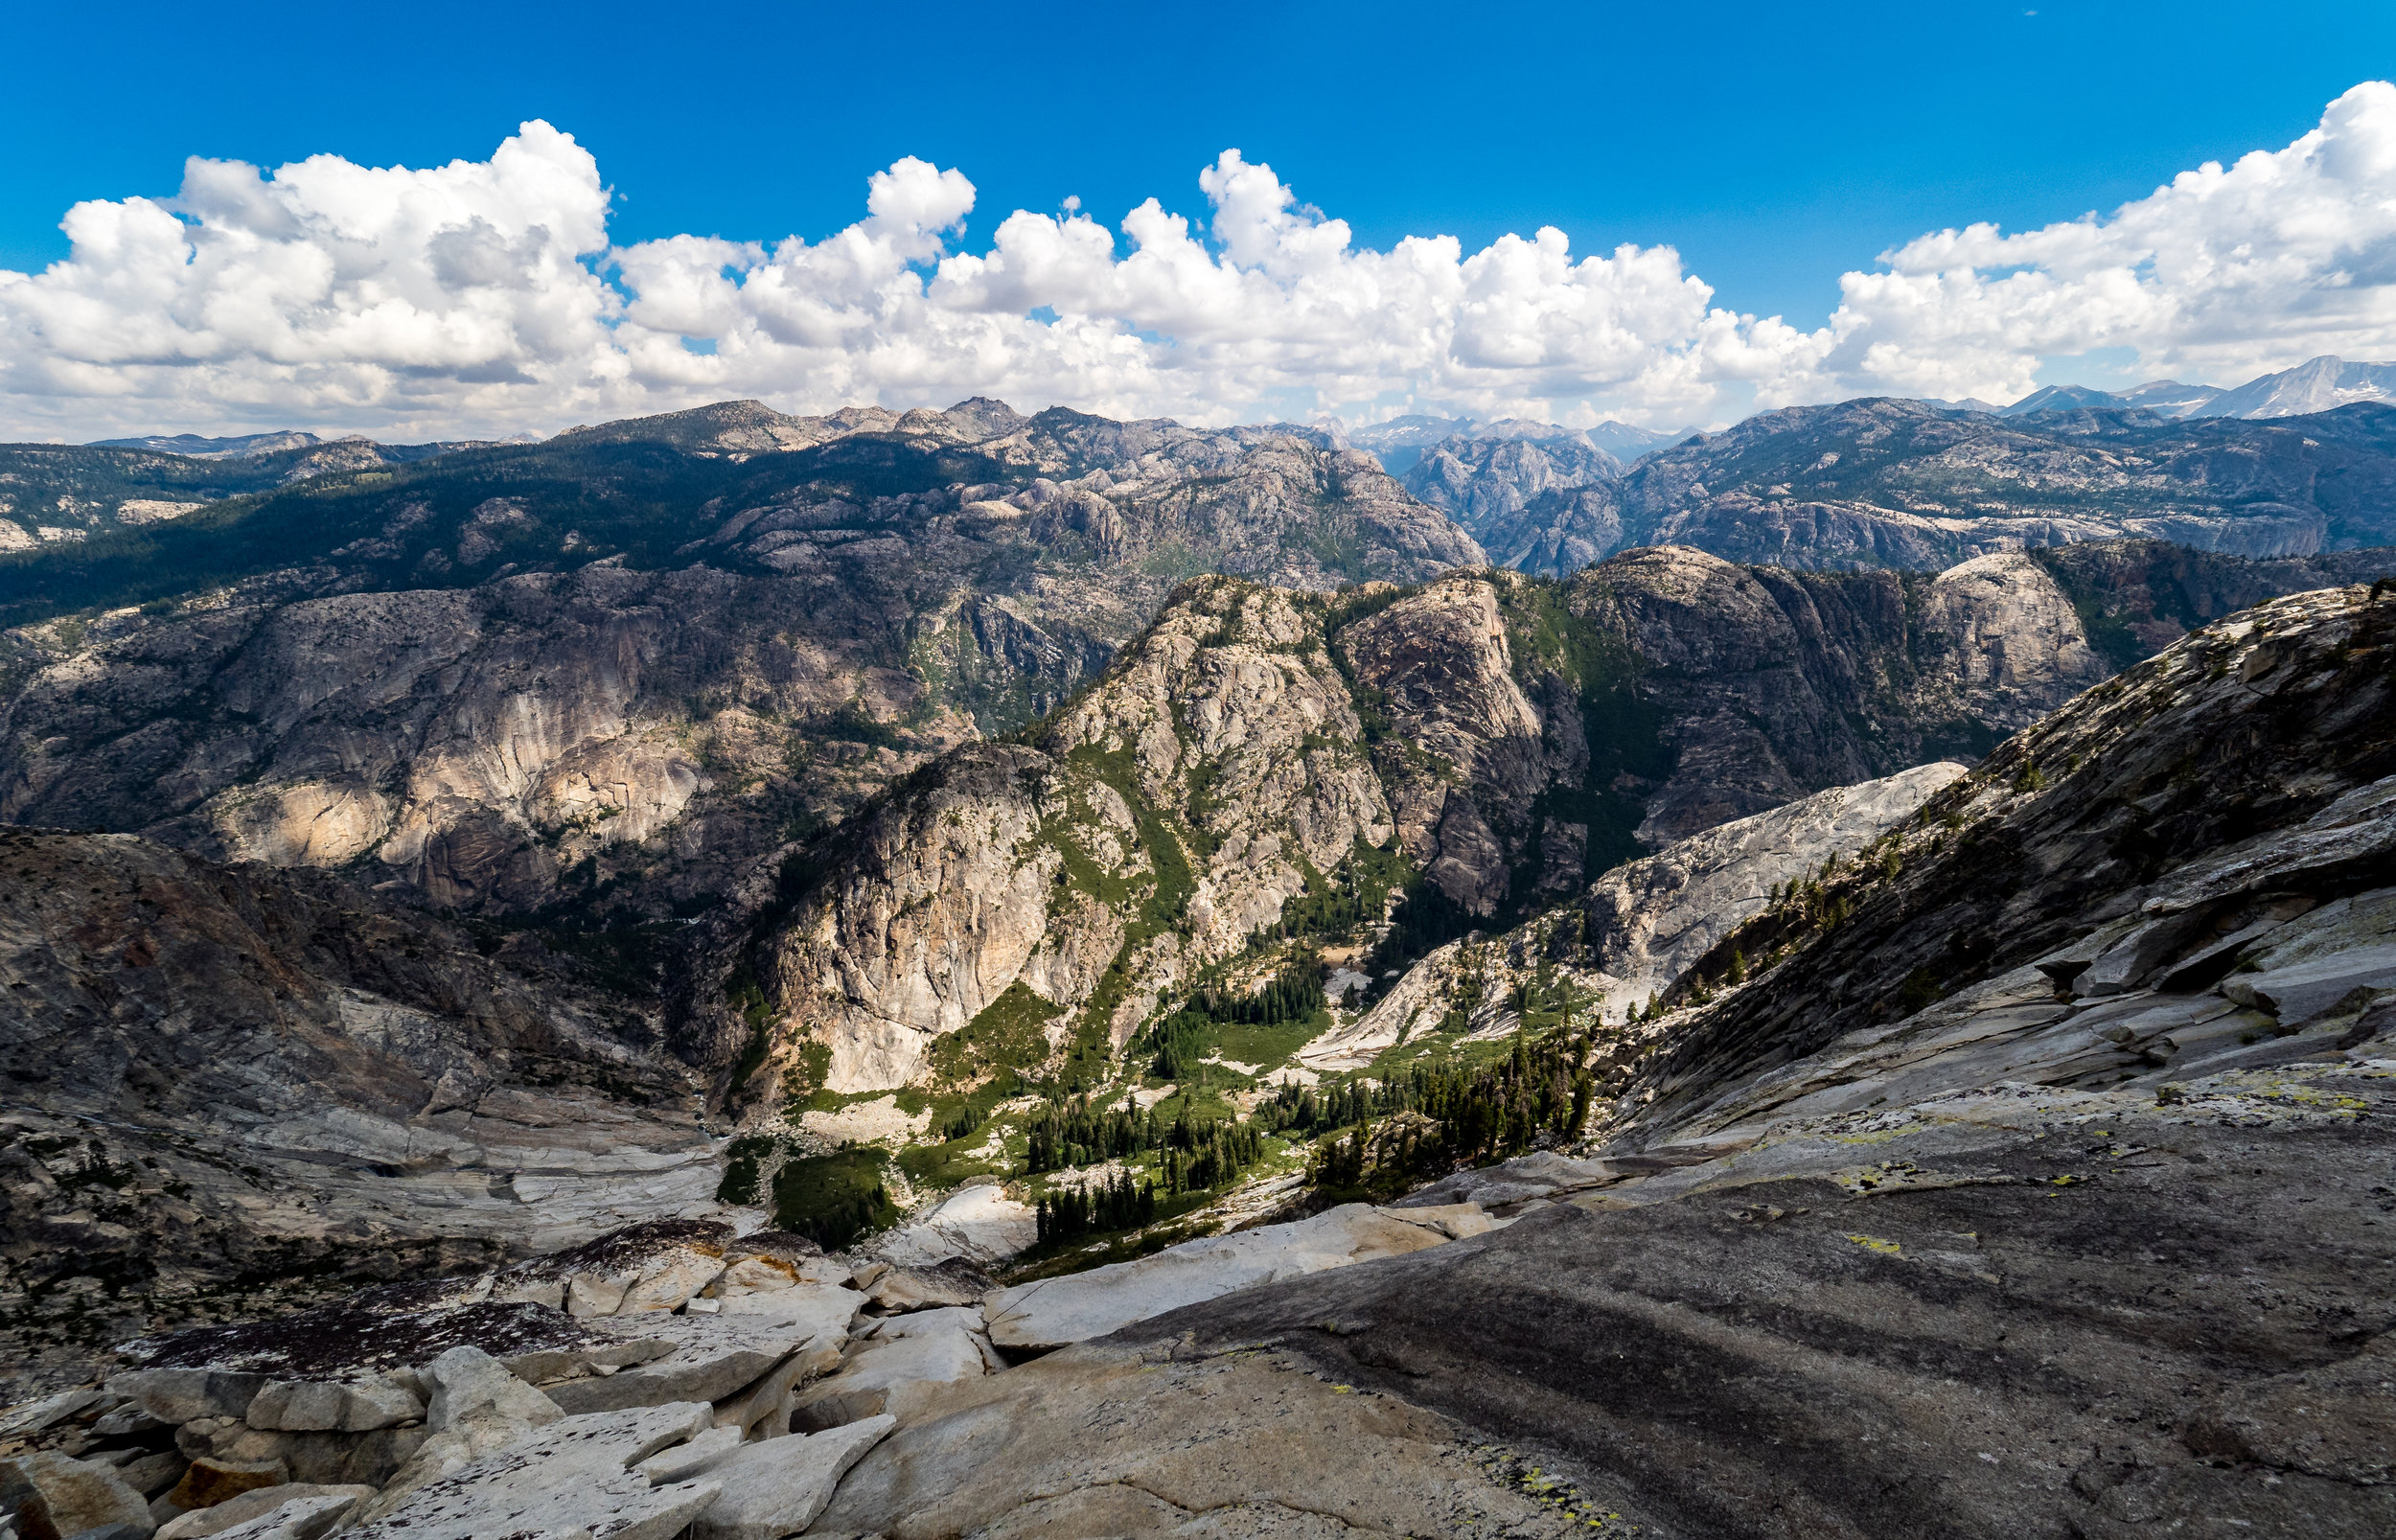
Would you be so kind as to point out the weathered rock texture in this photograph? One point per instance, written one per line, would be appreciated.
(2228, 785)
(1106, 1440)
(1641, 927)
(2041, 1186)
(2033, 1326)
(1051, 1312)
(1528, 502)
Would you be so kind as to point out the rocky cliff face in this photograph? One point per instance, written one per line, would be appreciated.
(2001, 1096)
(228, 1079)
(1466, 753)
(1647, 923)
(1210, 776)
(2154, 835)
(1771, 683)
(1505, 739)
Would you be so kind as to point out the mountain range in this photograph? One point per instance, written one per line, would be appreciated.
(2317, 385)
(952, 972)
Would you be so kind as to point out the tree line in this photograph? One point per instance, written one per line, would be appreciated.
(1463, 1114)
(1198, 1153)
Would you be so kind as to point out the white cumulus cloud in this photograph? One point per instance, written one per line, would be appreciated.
(2225, 273)
(485, 297)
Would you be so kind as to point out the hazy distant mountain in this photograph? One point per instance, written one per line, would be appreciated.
(2063, 399)
(2169, 398)
(204, 449)
(1400, 442)
(1515, 495)
(1904, 484)
(2318, 385)
(53, 493)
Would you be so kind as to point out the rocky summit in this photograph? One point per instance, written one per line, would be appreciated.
(948, 973)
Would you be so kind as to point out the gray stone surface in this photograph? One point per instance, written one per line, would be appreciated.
(697, 1457)
(778, 1487)
(48, 1491)
(573, 1474)
(980, 1224)
(1081, 1306)
(1105, 1440)
(477, 1408)
(181, 1395)
(897, 1365)
(300, 1518)
(337, 1501)
(713, 1356)
(320, 1406)
(1650, 920)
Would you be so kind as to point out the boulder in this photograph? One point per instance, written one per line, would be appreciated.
(1540, 1174)
(209, 1480)
(818, 1310)
(683, 1462)
(2317, 986)
(951, 1282)
(657, 1266)
(715, 1356)
(150, 1474)
(768, 1253)
(242, 1507)
(753, 1275)
(573, 1474)
(1051, 1312)
(470, 1386)
(778, 1488)
(477, 1408)
(762, 1410)
(53, 1494)
(980, 1225)
(902, 1362)
(318, 1459)
(48, 1412)
(320, 1406)
(597, 1353)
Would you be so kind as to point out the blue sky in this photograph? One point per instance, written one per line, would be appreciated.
(1775, 144)
(594, 217)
